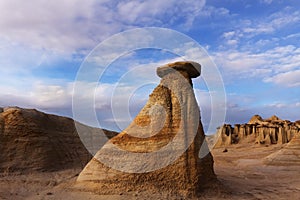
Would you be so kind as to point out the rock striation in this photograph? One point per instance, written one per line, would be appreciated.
(288, 156)
(32, 141)
(258, 130)
(159, 150)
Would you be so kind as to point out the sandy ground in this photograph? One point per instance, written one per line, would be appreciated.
(241, 170)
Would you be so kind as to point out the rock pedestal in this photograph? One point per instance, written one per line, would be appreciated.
(159, 150)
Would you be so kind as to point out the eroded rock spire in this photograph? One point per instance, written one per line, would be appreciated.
(159, 150)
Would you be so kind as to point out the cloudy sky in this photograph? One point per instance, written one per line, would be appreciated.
(254, 43)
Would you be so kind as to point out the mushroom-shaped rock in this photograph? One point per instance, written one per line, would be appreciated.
(159, 150)
(193, 69)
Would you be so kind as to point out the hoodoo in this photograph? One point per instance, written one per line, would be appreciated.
(260, 131)
(159, 150)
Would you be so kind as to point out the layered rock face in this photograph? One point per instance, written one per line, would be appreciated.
(32, 141)
(261, 131)
(159, 150)
(288, 156)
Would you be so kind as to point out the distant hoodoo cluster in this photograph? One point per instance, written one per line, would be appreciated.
(260, 131)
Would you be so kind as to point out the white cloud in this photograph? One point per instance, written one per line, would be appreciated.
(277, 105)
(248, 29)
(295, 35)
(239, 63)
(209, 11)
(258, 29)
(55, 96)
(55, 25)
(73, 25)
(229, 35)
(274, 22)
(42, 96)
(232, 42)
(261, 43)
(290, 78)
(42, 32)
(278, 65)
(159, 12)
(232, 38)
(266, 1)
(51, 96)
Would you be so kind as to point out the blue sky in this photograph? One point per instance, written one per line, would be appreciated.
(254, 43)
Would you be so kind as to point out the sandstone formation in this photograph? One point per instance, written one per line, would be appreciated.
(159, 150)
(32, 141)
(260, 131)
(288, 156)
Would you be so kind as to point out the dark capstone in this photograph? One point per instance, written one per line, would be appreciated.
(192, 68)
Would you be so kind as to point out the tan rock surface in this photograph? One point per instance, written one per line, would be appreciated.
(192, 68)
(33, 141)
(243, 171)
(256, 119)
(288, 155)
(159, 151)
(260, 131)
(273, 118)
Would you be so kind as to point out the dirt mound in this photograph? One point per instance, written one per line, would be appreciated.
(34, 141)
(287, 156)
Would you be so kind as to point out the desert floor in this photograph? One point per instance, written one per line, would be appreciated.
(241, 170)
